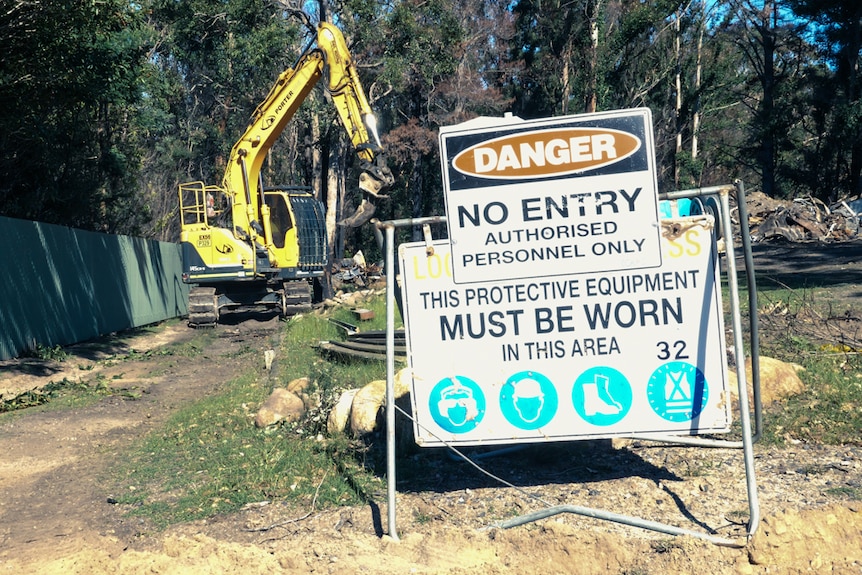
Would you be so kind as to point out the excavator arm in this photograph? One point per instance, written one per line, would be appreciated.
(326, 53)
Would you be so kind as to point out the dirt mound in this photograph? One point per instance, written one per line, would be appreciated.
(814, 541)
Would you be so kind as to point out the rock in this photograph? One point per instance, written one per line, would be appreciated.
(403, 382)
(299, 387)
(268, 357)
(778, 380)
(281, 405)
(365, 407)
(370, 399)
(337, 420)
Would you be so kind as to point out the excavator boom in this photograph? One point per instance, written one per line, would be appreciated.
(246, 245)
(328, 51)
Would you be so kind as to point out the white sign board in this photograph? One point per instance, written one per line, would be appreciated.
(576, 356)
(550, 197)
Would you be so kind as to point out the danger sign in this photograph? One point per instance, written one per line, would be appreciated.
(550, 197)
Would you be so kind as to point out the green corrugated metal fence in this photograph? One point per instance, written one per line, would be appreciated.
(60, 285)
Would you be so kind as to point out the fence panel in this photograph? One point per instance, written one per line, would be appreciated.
(61, 285)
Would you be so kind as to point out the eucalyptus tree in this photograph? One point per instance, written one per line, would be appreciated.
(595, 55)
(69, 82)
(432, 63)
(836, 95)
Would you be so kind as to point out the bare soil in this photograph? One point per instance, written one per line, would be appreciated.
(56, 514)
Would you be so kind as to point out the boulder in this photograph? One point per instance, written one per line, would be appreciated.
(340, 414)
(268, 358)
(300, 388)
(778, 380)
(369, 400)
(366, 406)
(281, 405)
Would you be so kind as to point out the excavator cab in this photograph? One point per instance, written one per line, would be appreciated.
(297, 224)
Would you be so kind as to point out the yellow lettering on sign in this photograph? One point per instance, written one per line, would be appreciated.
(686, 245)
(432, 267)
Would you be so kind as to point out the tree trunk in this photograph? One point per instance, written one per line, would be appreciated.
(677, 108)
(592, 60)
(416, 203)
(567, 82)
(321, 192)
(767, 150)
(336, 207)
(695, 117)
(853, 48)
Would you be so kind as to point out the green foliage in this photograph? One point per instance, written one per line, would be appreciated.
(56, 353)
(828, 412)
(214, 62)
(74, 392)
(70, 81)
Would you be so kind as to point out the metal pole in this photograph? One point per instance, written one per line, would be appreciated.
(739, 351)
(615, 517)
(754, 320)
(389, 228)
(678, 194)
(390, 380)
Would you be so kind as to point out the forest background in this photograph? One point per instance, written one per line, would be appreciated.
(107, 105)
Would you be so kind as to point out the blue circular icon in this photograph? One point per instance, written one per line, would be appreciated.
(457, 404)
(528, 400)
(602, 396)
(677, 391)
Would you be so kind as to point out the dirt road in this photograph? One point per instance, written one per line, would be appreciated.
(57, 517)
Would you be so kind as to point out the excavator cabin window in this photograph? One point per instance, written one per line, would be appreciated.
(279, 217)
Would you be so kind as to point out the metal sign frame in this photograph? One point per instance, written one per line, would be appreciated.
(745, 408)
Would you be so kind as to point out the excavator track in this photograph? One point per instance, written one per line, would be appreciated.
(296, 298)
(203, 311)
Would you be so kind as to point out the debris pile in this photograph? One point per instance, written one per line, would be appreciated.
(801, 219)
(355, 271)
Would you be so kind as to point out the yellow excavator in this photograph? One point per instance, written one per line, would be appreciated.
(244, 244)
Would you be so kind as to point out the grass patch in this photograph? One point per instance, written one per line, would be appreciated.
(850, 493)
(828, 411)
(209, 458)
(804, 326)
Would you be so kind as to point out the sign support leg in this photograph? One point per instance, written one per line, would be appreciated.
(390, 380)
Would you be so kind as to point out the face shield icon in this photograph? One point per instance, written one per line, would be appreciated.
(528, 399)
(457, 404)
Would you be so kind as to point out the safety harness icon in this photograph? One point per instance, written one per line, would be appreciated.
(457, 404)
